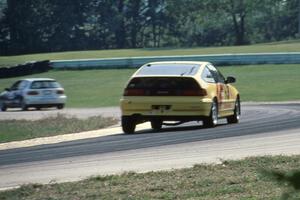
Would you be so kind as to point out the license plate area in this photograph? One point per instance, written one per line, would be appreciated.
(160, 108)
(47, 92)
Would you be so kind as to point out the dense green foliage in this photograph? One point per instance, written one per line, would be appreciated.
(62, 25)
(100, 88)
(230, 180)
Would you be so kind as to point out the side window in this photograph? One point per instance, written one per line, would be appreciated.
(36, 85)
(216, 74)
(207, 76)
(15, 86)
(221, 78)
(22, 85)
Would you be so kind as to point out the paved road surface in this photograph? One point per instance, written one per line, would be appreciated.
(264, 130)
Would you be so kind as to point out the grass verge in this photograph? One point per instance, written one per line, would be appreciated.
(266, 82)
(284, 46)
(15, 130)
(100, 88)
(231, 180)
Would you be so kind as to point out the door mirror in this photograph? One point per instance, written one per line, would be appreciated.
(230, 79)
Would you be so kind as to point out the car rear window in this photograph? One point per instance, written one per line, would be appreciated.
(169, 69)
(44, 84)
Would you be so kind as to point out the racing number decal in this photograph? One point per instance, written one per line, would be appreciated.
(220, 92)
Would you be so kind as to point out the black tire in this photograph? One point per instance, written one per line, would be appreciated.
(156, 124)
(235, 118)
(128, 124)
(61, 106)
(3, 107)
(212, 120)
(24, 106)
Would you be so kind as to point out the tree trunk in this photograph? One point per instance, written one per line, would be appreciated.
(11, 4)
(120, 32)
(298, 18)
(135, 26)
(238, 18)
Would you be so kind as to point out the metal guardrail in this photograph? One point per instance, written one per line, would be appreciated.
(216, 59)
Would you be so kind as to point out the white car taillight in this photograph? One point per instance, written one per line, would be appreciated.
(60, 92)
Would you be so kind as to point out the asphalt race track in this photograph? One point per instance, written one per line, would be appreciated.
(268, 129)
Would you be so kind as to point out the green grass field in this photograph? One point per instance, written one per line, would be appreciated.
(284, 46)
(232, 180)
(100, 88)
(14, 130)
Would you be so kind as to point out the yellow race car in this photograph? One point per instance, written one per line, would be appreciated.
(179, 92)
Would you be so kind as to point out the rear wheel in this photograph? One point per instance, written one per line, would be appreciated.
(156, 124)
(212, 120)
(237, 112)
(24, 106)
(61, 106)
(128, 124)
(2, 106)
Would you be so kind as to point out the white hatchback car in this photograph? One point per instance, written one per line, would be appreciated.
(33, 92)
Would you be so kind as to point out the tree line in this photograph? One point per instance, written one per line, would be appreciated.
(63, 25)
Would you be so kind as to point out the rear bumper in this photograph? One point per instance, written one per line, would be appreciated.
(46, 101)
(167, 108)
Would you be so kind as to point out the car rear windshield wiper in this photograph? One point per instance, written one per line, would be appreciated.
(191, 70)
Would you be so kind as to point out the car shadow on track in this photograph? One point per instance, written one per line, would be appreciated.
(185, 127)
(29, 110)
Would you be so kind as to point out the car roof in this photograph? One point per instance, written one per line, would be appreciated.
(170, 68)
(38, 79)
(179, 62)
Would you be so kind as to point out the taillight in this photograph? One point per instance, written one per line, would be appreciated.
(32, 93)
(134, 92)
(196, 92)
(60, 92)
